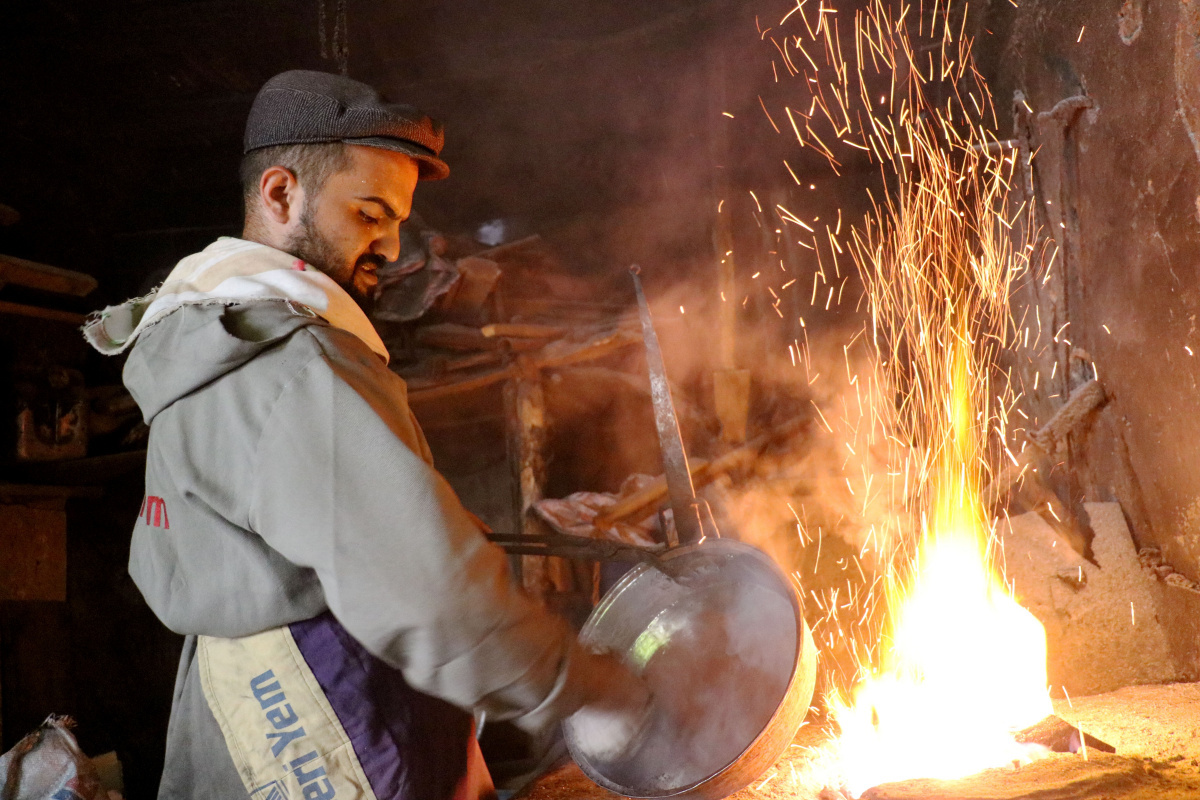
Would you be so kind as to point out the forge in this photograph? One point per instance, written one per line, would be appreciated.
(1153, 728)
(1141, 740)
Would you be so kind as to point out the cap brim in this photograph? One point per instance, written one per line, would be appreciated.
(429, 166)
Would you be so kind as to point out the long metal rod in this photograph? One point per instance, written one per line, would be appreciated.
(568, 546)
(675, 466)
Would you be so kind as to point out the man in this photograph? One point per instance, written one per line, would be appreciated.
(343, 613)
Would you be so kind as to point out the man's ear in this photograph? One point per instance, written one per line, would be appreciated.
(280, 194)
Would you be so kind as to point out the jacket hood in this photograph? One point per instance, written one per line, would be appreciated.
(231, 272)
(197, 344)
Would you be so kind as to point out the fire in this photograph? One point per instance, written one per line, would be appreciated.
(963, 664)
(949, 664)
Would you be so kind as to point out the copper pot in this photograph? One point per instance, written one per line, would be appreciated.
(717, 631)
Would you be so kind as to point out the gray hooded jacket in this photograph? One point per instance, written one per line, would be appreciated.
(293, 479)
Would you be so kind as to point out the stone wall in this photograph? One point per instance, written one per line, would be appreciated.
(1110, 103)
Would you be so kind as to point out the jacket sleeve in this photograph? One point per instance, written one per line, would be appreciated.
(339, 487)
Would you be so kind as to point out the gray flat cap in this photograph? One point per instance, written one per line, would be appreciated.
(307, 107)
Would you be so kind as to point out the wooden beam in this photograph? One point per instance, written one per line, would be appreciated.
(22, 310)
(464, 338)
(505, 250)
(557, 354)
(526, 423)
(560, 354)
(21, 272)
(20, 492)
(641, 504)
(523, 330)
(452, 336)
(421, 391)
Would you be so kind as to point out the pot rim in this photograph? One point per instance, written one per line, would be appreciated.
(804, 644)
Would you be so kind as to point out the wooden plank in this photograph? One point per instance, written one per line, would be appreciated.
(465, 338)
(560, 354)
(22, 310)
(639, 505)
(731, 401)
(22, 272)
(452, 336)
(523, 330)
(33, 551)
(20, 492)
(500, 252)
(92, 470)
(423, 392)
(472, 362)
(557, 354)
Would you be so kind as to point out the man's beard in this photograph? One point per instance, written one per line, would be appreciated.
(311, 246)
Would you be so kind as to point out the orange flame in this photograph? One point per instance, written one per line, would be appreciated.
(959, 665)
(963, 664)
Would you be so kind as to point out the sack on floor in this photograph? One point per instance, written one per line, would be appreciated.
(48, 765)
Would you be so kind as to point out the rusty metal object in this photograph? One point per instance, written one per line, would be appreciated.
(675, 466)
(1061, 736)
(1187, 68)
(717, 631)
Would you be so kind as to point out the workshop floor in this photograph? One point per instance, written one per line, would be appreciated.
(1156, 730)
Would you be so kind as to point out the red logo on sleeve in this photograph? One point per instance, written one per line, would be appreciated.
(154, 509)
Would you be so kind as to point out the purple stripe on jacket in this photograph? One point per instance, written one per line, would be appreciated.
(411, 746)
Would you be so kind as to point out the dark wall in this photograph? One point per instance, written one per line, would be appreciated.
(101, 657)
(1118, 170)
(592, 123)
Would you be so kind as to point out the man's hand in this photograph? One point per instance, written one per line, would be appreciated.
(611, 726)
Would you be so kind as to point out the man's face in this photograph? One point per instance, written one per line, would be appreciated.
(352, 227)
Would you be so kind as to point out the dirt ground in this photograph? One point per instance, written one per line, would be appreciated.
(1155, 729)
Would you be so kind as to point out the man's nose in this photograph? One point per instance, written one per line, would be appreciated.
(388, 245)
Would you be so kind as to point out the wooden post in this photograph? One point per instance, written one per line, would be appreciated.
(525, 420)
(731, 401)
(721, 198)
(731, 386)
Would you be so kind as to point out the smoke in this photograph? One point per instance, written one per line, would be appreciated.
(828, 504)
